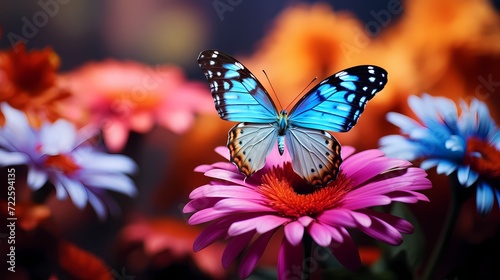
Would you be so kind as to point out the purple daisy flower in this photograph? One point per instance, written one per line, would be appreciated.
(58, 153)
(249, 211)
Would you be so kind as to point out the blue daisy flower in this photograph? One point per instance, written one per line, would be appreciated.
(58, 153)
(468, 144)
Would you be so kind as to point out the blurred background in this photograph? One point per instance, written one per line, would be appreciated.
(445, 48)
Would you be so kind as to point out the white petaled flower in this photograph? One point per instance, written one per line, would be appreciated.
(58, 153)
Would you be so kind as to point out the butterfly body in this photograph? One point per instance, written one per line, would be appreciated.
(334, 104)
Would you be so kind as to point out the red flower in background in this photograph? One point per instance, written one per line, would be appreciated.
(29, 82)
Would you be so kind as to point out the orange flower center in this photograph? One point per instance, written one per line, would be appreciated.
(281, 185)
(483, 158)
(63, 163)
(123, 101)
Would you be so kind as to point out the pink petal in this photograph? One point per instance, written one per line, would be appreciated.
(361, 158)
(361, 219)
(261, 224)
(141, 122)
(235, 247)
(223, 166)
(115, 135)
(177, 121)
(223, 151)
(210, 234)
(241, 205)
(419, 196)
(337, 217)
(334, 233)
(367, 170)
(320, 234)
(253, 254)
(294, 231)
(383, 231)
(229, 166)
(203, 168)
(305, 220)
(207, 215)
(379, 187)
(412, 179)
(232, 191)
(354, 203)
(290, 261)
(402, 197)
(200, 203)
(401, 225)
(347, 151)
(226, 175)
(346, 252)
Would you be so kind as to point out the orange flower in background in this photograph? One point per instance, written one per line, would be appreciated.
(448, 48)
(29, 82)
(121, 96)
(305, 41)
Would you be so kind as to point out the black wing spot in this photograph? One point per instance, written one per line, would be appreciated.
(249, 160)
(320, 166)
(240, 142)
(327, 154)
(327, 142)
(244, 153)
(312, 170)
(320, 96)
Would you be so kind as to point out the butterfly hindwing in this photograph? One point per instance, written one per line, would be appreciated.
(249, 144)
(336, 103)
(315, 154)
(238, 95)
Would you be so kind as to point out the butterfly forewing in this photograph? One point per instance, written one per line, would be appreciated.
(315, 155)
(249, 144)
(238, 95)
(336, 103)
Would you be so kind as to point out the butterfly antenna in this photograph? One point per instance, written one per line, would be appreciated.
(300, 94)
(275, 95)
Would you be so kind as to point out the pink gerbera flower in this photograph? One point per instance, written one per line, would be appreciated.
(124, 96)
(250, 211)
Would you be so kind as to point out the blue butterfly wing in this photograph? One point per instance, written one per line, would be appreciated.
(238, 95)
(336, 103)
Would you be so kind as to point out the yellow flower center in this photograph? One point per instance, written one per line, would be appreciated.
(483, 158)
(281, 187)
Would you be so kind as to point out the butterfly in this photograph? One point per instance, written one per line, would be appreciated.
(334, 104)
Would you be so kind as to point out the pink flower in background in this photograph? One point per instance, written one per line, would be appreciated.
(120, 97)
(250, 211)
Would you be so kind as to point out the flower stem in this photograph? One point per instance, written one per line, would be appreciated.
(458, 196)
(307, 243)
